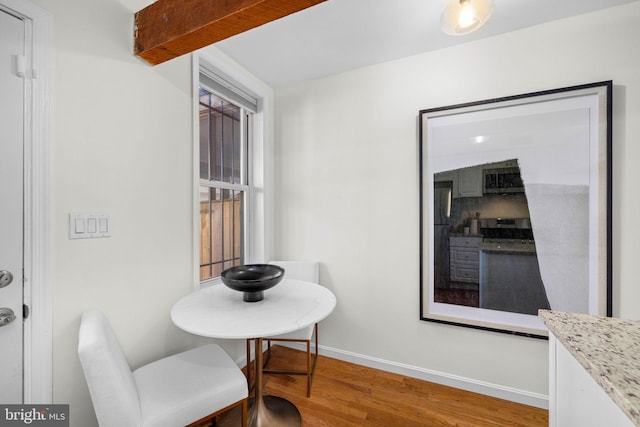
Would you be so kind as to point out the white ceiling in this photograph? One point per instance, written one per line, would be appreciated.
(340, 35)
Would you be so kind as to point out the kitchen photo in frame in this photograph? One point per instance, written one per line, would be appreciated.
(515, 209)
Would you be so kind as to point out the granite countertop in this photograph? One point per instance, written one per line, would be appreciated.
(608, 349)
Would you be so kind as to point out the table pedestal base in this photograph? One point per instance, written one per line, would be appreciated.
(273, 411)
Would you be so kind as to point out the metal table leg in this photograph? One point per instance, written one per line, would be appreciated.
(270, 410)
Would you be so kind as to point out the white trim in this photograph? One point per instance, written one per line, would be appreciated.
(225, 185)
(553, 380)
(38, 337)
(488, 389)
(39, 387)
(195, 165)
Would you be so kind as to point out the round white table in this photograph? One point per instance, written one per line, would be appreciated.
(220, 312)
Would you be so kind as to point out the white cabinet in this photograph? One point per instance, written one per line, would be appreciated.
(575, 399)
(469, 182)
(464, 258)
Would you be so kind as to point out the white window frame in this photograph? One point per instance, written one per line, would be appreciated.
(246, 118)
(258, 223)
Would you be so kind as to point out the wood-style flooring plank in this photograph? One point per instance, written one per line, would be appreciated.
(345, 395)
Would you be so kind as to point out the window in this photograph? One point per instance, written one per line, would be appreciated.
(224, 124)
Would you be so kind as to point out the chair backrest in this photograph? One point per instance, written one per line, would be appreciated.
(308, 271)
(109, 377)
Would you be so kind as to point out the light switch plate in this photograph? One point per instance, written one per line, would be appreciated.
(83, 226)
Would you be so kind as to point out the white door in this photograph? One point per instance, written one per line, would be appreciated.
(12, 42)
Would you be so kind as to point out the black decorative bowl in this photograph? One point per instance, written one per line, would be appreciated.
(252, 279)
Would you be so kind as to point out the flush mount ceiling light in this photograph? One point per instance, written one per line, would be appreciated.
(479, 139)
(464, 16)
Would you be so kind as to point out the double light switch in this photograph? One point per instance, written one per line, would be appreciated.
(89, 226)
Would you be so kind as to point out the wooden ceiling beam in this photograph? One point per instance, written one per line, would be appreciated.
(167, 29)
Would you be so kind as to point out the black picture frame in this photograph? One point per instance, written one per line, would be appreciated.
(561, 142)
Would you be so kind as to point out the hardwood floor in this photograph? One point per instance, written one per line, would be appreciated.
(344, 394)
(469, 298)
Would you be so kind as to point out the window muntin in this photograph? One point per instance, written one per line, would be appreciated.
(223, 183)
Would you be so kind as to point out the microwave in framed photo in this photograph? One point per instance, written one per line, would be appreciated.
(515, 209)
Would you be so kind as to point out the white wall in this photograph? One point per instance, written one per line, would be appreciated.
(121, 145)
(347, 195)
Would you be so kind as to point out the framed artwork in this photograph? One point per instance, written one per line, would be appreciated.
(515, 209)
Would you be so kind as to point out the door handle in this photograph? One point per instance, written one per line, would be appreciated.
(6, 316)
(5, 278)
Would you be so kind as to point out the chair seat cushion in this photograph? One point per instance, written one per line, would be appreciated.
(300, 334)
(181, 389)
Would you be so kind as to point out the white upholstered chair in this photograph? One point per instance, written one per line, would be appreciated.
(183, 389)
(308, 271)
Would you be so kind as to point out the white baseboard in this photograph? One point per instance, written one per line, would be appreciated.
(501, 392)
